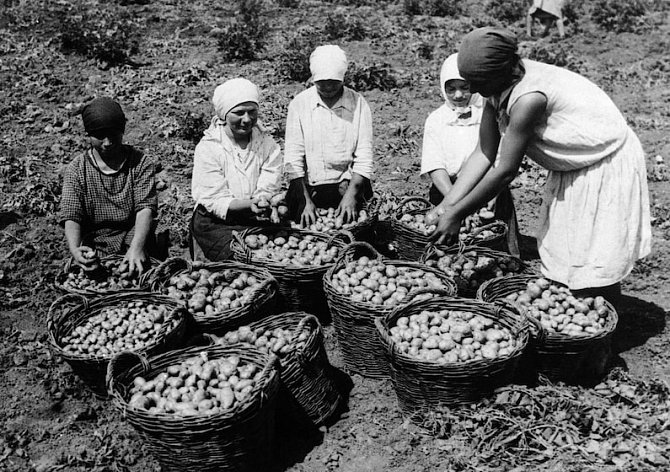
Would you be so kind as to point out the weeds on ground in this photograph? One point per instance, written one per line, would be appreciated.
(507, 11)
(293, 61)
(367, 77)
(105, 34)
(552, 53)
(246, 36)
(288, 3)
(620, 16)
(442, 8)
(191, 126)
(341, 26)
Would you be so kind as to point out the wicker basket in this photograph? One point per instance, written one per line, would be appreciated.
(300, 287)
(240, 440)
(263, 299)
(72, 310)
(354, 321)
(560, 357)
(433, 253)
(70, 266)
(409, 242)
(306, 372)
(422, 386)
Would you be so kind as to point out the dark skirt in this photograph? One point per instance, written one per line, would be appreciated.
(504, 211)
(214, 235)
(323, 196)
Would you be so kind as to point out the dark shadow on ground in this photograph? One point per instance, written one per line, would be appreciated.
(639, 320)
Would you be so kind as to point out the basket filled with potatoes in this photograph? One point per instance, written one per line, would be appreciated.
(200, 408)
(572, 342)
(218, 295)
(110, 274)
(413, 227)
(471, 266)
(363, 285)
(445, 351)
(297, 259)
(87, 333)
(296, 339)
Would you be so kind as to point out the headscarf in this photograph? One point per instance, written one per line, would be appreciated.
(487, 53)
(103, 113)
(328, 62)
(233, 92)
(461, 115)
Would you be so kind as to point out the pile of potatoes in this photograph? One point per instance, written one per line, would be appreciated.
(279, 341)
(469, 269)
(471, 223)
(302, 250)
(327, 222)
(111, 274)
(559, 311)
(209, 292)
(274, 208)
(196, 386)
(373, 281)
(129, 326)
(417, 222)
(450, 336)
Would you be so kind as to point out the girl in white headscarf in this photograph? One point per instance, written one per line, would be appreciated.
(450, 135)
(236, 165)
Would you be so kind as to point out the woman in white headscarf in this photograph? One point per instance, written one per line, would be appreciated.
(328, 147)
(236, 165)
(450, 135)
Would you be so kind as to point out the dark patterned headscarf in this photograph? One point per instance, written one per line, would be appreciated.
(487, 53)
(103, 113)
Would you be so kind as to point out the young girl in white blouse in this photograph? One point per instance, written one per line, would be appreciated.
(236, 163)
(450, 135)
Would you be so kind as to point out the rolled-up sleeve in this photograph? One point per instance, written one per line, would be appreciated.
(363, 163)
(209, 187)
(269, 178)
(294, 143)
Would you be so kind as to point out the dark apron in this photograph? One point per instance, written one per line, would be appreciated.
(214, 235)
(503, 210)
(323, 196)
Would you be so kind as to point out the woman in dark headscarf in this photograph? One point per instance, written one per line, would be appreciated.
(595, 219)
(109, 199)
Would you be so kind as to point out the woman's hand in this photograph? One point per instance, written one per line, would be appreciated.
(85, 257)
(136, 259)
(308, 216)
(347, 208)
(448, 226)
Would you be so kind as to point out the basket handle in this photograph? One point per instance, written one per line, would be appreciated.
(358, 247)
(201, 339)
(51, 316)
(425, 204)
(157, 275)
(238, 239)
(341, 234)
(126, 357)
(270, 284)
(311, 324)
(491, 226)
(180, 313)
(273, 362)
(428, 290)
(522, 317)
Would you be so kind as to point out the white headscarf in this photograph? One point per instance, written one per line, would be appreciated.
(233, 92)
(449, 72)
(328, 62)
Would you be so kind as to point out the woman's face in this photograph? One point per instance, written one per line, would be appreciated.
(329, 88)
(490, 87)
(458, 92)
(106, 141)
(242, 119)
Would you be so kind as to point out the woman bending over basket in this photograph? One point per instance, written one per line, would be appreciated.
(595, 219)
(237, 164)
(109, 199)
(450, 135)
(328, 143)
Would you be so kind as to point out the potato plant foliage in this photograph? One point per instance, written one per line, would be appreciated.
(620, 15)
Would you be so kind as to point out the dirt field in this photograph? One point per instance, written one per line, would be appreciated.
(50, 422)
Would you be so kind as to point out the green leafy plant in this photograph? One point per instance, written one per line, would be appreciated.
(507, 11)
(349, 27)
(372, 76)
(552, 53)
(433, 7)
(620, 15)
(292, 62)
(192, 126)
(246, 36)
(108, 35)
(288, 3)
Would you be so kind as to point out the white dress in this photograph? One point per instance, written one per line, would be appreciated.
(595, 220)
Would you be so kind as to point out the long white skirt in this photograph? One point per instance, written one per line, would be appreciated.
(595, 221)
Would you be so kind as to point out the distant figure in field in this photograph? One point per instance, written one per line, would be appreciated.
(548, 12)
